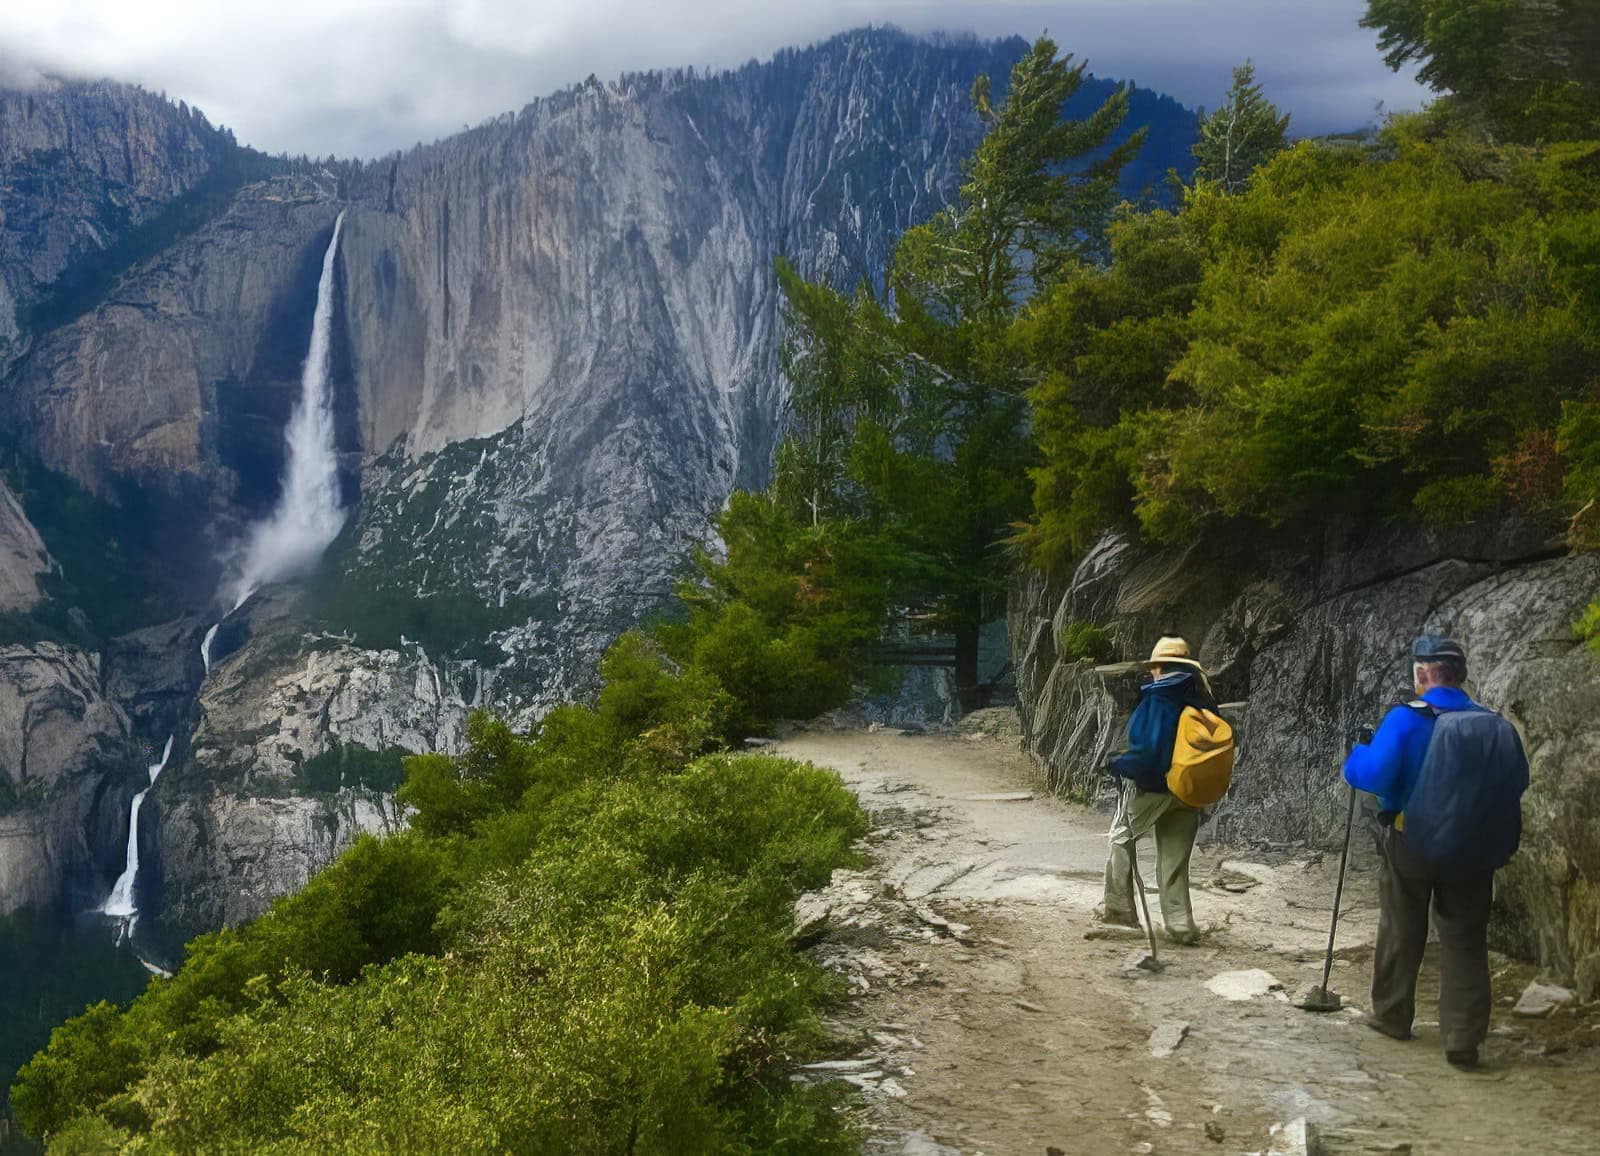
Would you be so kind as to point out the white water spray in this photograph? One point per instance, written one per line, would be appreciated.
(122, 903)
(308, 516)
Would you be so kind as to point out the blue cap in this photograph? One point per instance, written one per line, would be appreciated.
(1433, 648)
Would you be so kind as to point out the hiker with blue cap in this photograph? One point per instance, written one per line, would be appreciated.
(1449, 776)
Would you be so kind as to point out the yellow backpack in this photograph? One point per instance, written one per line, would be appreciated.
(1202, 758)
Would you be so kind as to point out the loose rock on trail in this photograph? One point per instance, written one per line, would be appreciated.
(990, 1014)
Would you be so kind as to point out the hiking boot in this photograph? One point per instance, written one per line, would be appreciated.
(1118, 918)
(1462, 1057)
(1183, 938)
(1383, 1027)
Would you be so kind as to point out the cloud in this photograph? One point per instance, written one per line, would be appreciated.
(363, 77)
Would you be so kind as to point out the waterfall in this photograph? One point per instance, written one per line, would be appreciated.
(205, 645)
(308, 516)
(122, 904)
(306, 520)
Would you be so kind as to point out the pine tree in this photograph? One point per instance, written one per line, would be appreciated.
(910, 414)
(1241, 135)
(1528, 69)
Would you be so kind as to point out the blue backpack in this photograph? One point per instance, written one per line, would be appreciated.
(1465, 808)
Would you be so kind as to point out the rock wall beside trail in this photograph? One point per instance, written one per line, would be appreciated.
(1315, 637)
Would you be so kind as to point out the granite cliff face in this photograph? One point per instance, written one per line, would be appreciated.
(65, 751)
(555, 346)
(1315, 638)
(176, 385)
(23, 558)
(64, 743)
(86, 167)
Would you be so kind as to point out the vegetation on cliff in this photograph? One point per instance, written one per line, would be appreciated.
(101, 583)
(1374, 329)
(1400, 326)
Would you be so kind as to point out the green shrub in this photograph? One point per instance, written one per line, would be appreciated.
(678, 711)
(451, 794)
(91, 1057)
(1081, 640)
(777, 673)
(1457, 501)
(346, 765)
(1587, 627)
(377, 901)
(783, 620)
(90, 1136)
(600, 962)
(1374, 331)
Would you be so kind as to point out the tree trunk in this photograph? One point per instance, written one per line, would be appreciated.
(969, 694)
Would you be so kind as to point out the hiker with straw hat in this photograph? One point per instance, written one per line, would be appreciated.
(1145, 805)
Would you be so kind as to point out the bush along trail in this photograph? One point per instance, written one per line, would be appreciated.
(582, 945)
(991, 1012)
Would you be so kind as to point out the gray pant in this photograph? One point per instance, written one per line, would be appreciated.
(1174, 826)
(1460, 902)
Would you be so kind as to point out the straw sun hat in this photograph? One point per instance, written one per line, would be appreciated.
(1172, 651)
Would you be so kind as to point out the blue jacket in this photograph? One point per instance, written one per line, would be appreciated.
(1388, 766)
(1153, 729)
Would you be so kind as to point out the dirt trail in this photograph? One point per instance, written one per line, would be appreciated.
(987, 1023)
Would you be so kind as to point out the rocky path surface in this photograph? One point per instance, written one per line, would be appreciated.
(988, 1017)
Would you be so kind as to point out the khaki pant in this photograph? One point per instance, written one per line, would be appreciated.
(1460, 903)
(1174, 825)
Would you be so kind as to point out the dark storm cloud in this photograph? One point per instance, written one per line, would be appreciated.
(362, 77)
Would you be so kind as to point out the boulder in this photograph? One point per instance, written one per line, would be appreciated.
(1540, 999)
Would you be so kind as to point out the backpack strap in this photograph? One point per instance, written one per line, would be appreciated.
(1423, 707)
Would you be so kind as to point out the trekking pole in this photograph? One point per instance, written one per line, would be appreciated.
(1151, 962)
(1338, 890)
(1320, 999)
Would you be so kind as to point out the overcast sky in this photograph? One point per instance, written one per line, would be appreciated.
(364, 77)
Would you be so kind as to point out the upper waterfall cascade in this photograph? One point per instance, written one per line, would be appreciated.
(309, 514)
